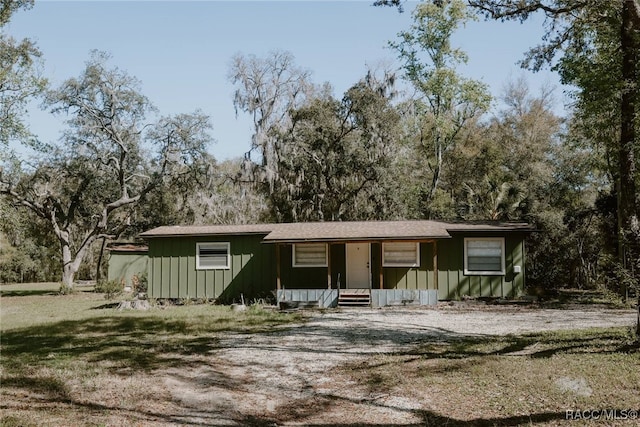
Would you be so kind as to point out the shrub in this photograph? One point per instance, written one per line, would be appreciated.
(110, 288)
(140, 283)
(65, 290)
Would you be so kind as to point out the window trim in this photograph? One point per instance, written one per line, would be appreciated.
(401, 264)
(296, 265)
(500, 272)
(227, 266)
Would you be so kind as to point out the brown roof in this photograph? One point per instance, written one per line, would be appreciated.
(207, 230)
(357, 230)
(127, 247)
(340, 231)
(488, 226)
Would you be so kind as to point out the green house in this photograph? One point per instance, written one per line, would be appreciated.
(339, 263)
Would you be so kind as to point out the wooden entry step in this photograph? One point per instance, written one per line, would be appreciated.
(354, 298)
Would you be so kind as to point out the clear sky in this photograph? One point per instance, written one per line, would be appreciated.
(181, 50)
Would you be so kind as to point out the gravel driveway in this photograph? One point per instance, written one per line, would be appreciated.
(261, 375)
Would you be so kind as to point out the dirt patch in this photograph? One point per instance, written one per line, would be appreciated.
(288, 376)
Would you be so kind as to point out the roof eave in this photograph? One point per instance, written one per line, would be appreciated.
(242, 233)
(357, 239)
(491, 230)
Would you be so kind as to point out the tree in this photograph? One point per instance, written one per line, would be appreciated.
(336, 157)
(221, 197)
(20, 80)
(109, 159)
(445, 100)
(599, 44)
(27, 247)
(232, 199)
(267, 88)
(320, 158)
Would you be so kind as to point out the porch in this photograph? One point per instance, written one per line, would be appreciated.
(355, 264)
(330, 298)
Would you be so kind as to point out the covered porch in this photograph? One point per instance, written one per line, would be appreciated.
(356, 264)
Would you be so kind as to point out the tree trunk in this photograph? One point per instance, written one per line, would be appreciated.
(71, 263)
(627, 209)
(435, 180)
(626, 156)
(68, 272)
(638, 319)
(98, 269)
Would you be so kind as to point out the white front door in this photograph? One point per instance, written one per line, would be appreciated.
(358, 265)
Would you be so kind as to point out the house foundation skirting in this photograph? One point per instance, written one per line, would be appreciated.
(383, 297)
(325, 298)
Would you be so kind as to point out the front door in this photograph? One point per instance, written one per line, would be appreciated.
(358, 265)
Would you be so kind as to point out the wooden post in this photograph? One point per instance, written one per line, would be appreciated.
(278, 284)
(435, 264)
(380, 267)
(328, 265)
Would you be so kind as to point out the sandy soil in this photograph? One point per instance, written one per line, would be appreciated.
(287, 377)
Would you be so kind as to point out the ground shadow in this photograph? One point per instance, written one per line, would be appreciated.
(127, 342)
(149, 344)
(26, 293)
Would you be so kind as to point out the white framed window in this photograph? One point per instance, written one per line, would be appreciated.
(212, 255)
(401, 254)
(309, 255)
(484, 256)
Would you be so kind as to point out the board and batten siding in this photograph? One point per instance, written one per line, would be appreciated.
(123, 265)
(172, 268)
(453, 284)
(411, 278)
(252, 271)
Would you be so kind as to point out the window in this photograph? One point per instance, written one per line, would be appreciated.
(401, 254)
(484, 256)
(212, 256)
(310, 255)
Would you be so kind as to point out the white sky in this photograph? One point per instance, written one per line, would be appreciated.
(181, 50)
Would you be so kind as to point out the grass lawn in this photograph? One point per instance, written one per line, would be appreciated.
(76, 360)
(529, 379)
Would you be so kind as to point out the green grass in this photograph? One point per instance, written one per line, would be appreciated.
(52, 330)
(512, 380)
(60, 350)
(75, 360)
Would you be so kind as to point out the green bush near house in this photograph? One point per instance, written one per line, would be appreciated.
(110, 288)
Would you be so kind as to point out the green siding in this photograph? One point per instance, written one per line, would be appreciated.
(412, 278)
(454, 284)
(124, 265)
(252, 272)
(173, 274)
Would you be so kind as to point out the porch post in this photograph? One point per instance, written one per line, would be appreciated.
(435, 264)
(328, 265)
(278, 285)
(380, 267)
